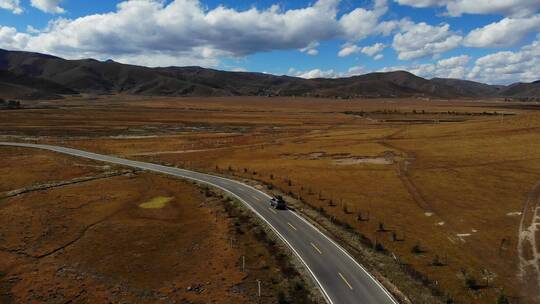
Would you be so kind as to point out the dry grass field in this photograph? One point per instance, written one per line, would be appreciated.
(448, 187)
(131, 237)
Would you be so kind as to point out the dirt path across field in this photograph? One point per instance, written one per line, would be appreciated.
(529, 257)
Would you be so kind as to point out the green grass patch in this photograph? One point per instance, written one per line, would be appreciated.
(157, 202)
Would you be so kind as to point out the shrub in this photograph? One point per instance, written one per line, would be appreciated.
(13, 104)
(437, 261)
(416, 249)
(282, 299)
(502, 299)
(470, 282)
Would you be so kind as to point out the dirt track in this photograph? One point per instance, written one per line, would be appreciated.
(529, 237)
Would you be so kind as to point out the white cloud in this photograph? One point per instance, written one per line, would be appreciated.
(202, 57)
(349, 49)
(421, 3)
(318, 73)
(506, 32)
(497, 68)
(378, 57)
(48, 6)
(311, 48)
(454, 61)
(506, 66)
(11, 39)
(453, 67)
(239, 69)
(459, 7)
(372, 50)
(156, 32)
(361, 23)
(504, 7)
(11, 5)
(421, 40)
(356, 70)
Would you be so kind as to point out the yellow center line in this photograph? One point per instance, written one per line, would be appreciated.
(316, 248)
(291, 226)
(345, 280)
(256, 198)
(272, 210)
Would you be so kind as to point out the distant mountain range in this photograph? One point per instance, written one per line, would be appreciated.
(25, 75)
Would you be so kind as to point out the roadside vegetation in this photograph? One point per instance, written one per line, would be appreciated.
(443, 200)
(130, 237)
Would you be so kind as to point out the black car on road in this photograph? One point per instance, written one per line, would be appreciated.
(278, 202)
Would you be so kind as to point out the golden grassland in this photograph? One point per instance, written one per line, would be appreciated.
(453, 190)
(91, 242)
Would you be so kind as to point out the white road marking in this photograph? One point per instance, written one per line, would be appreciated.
(272, 209)
(291, 226)
(347, 254)
(316, 248)
(345, 280)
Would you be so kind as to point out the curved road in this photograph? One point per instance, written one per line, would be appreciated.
(340, 278)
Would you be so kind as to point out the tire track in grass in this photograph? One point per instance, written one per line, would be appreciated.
(529, 257)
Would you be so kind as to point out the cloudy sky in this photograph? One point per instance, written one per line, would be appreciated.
(493, 41)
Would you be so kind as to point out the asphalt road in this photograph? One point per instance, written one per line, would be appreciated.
(340, 278)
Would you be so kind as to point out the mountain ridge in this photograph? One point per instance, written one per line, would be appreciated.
(36, 74)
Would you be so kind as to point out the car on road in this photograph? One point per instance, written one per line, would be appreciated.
(278, 202)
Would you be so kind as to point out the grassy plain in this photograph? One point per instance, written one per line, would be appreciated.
(440, 184)
(128, 238)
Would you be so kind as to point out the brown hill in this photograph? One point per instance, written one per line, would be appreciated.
(470, 88)
(94, 76)
(390, 84)
(522, 90)
(35, 75)
(24, 87)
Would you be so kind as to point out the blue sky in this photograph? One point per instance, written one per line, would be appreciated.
(494, 41)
